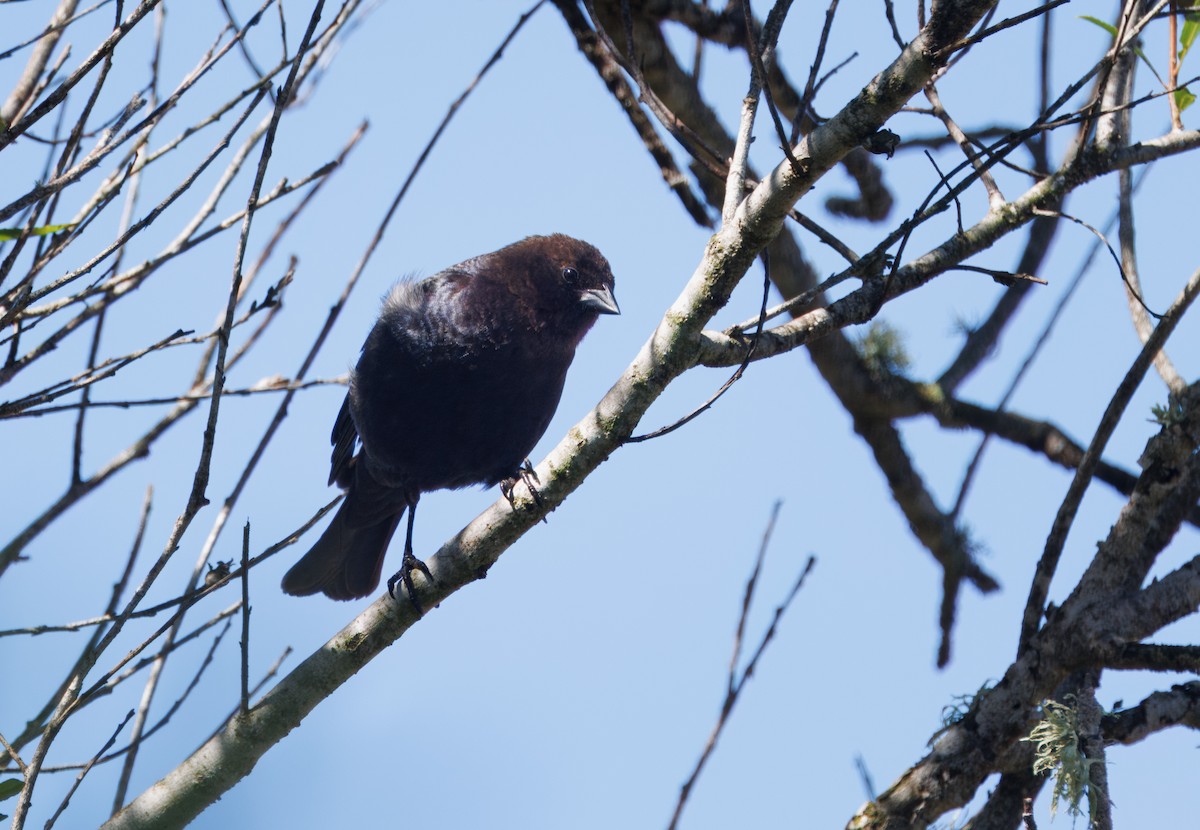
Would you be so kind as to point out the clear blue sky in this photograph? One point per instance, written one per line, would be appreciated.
(576, 685)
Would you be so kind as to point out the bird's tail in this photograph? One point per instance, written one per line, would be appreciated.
(346, 561)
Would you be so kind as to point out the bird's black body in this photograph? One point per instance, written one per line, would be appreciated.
(457, 381)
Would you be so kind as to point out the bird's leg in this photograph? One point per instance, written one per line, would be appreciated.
(526, 474)
(407, 564)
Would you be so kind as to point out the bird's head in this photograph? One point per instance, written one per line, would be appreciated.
(567, 280)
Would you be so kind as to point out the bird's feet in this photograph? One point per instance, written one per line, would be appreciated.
(526, 474)
(407, 566)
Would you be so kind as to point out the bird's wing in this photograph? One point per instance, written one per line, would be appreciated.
(343, 437)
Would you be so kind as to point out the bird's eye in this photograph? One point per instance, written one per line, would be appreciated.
(570, 275)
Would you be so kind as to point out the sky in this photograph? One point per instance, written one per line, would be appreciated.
(576, 685)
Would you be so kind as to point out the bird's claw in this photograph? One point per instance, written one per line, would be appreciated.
(407, 566)
(527, 474)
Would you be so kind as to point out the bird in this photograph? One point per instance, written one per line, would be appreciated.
(456, 382)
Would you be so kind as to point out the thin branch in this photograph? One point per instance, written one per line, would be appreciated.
(719, 349)
(1040, 228)
(1006, 23)
(995, 197)
(90, 653)
(130, 750)
(23, 93)
(1157, 657)
(748, 596)
(737, 681)
(1133, 286)
(110, 141)
(1048, 564)
(706, 156)
(262, 682)
(762, 51)
(13, 755)
(88, 768)
(734, 378)
(1161, 710)
(1134, 294)
(610, 72)
(190, 598)
(812, 85)
(245, 642)
(265, 386)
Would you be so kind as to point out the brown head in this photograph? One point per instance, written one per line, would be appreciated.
(563, 283)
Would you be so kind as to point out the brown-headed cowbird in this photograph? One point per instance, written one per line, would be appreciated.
(457, 381)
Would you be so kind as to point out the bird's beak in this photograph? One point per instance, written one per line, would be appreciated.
(600, 300)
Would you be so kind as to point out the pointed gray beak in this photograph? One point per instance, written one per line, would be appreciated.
(600, 300)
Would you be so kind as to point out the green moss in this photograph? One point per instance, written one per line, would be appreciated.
(932, 392)
(1057, 747)
(882, 350)
(352, 642)
(1169, 414)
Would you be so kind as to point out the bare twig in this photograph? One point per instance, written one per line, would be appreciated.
(812, 85)
(1034, 350)
(1006, 23)
(610, 72)
(265, 386)
(1036, 603)
(190, 598)
(737, 680)
(995, 197)
(22, 94)
(12, 754)
(196, 498)
(88, 768)
(1133, 285)
(245, 643)
(734, 378)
